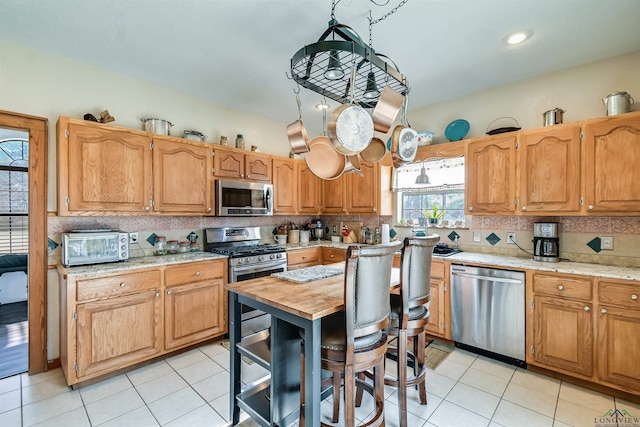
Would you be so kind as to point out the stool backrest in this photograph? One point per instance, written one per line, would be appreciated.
(415, 265)
(366, 289)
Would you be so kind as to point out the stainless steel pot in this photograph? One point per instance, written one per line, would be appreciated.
(159, 126)
(553, 117)
(194, 135)
(617, 103)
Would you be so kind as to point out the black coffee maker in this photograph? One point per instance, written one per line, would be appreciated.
(546, 244)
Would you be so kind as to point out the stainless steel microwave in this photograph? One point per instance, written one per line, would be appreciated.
(94, 247)
(241, 198)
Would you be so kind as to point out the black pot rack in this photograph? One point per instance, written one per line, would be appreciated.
(309, 64)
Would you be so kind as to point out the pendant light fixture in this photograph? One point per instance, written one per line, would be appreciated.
(334, 69)
(423, 178)
(371, 91)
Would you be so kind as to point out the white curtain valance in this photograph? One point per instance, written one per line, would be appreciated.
(444, 175)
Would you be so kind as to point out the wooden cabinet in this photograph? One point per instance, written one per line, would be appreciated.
(549, 170)
(182, 181)
(309, 190)
(194, 297)
(490, 175)
(334, 196)
(363, 189)
(331, 255)
(102, 169)
(111, 321)
(238, 164)
(285, 186)
(611, 159)
(439, 305)
(618, 319)
(563, 325)
(305, 257)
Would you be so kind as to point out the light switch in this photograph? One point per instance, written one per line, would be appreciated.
(476, 236)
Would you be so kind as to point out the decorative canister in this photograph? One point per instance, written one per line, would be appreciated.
(553, 117)
(224, 141)
(240, 142)
(160, 247)
(172, 247)
(294, 236)
(618, 103)
(183, 247)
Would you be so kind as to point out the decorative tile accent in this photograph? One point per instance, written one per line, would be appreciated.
(595, 244)
(493, 239)
(625, 225)
(392, 233)
(596, 225)
(275, 231)
(420, 234)
(500, 223)
(152, 239)
(453, 235)
(193, 233)
(51, 246)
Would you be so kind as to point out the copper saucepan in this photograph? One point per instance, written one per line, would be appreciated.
(297, 133)
(386, 110)
(323, 160)
(375, 151)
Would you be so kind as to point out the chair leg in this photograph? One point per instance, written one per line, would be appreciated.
(379, 387)
(419, 363)
(336, 396)
(349, 396)
(402, 377)
(359, 390)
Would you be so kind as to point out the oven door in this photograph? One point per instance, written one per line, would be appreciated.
(242, 273)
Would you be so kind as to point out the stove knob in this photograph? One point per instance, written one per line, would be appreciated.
(249, 260)
(240, 261)
(260, 258)
(279, 255)
(272, 256)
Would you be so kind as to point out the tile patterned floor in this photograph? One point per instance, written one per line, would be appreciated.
(191, 389)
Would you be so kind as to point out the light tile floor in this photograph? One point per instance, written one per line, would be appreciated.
(191, 389)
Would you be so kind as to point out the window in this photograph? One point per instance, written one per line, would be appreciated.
(444, 189)
(14, 195)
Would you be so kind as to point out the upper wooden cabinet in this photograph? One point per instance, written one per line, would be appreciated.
(309, 190)
(238, 164)
(102, 169)
(182, 180)
(548, 165)
(611, 165)
(107, 170)
(285, 186)
(364, 189)
(490, 175)
(334, 195)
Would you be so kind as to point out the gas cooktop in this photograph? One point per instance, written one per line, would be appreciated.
(247, 250)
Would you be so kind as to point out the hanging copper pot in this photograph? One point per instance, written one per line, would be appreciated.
(386, 110)
(297, 133)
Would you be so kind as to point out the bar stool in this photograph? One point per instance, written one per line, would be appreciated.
(409, 318)
(355, 339)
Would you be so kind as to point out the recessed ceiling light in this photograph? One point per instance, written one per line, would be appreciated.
(323, 106)
(517, 37)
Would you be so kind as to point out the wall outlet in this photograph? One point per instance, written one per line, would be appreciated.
(133, 237)
(607, 243)
(476, 236)
(511, 238)
(335, 228)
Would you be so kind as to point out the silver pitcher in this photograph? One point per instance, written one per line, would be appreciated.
(617, 103)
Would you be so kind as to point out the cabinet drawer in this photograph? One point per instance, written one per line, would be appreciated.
(194, 272)
(437, 269)
(303, 256)
(623, 293)
(563, 286)
(331, 255)
(121, 284)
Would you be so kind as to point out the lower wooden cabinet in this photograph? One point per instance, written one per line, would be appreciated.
(438, 307)
(331, 255)
(305, 257)
(111, 321)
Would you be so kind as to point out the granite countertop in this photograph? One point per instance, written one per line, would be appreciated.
(139, 262)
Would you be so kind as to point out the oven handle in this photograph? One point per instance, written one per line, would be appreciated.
(261, 267)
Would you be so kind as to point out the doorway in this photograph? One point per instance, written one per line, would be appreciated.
(33, 155)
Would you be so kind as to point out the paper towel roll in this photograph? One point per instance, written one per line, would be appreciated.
(385, 233)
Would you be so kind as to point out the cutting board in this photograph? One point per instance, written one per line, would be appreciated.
(355, 226)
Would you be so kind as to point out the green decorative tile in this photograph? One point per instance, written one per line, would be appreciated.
(595, 244)
(192, 234)
(152, 239)
(51, 246)
(420, 234)
(493, 239)
(392, 233)
(453, 235)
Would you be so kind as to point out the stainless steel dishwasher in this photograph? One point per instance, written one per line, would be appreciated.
(488, 310)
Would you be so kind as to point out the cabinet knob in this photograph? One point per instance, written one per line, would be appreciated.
(146, 208)
(634, 297)
(197, 273)
(603, 311)
(248, 176)
(241, 175)
(524, 208)
(122, 285)
(208, 209)
(157, 294)
(470, 208)
(331, 255)
(304, 257)
(590, 207)
(560, 287)
(587, 308)
(169, 292)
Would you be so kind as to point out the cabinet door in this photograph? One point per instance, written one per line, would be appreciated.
(612, 156)
(104, 170)
(436, 308)
(285, 186)
(181, 177)
(563, 335)
(193, 312)
(549, 170)
(490, 175)
(228, 164)
(618, 352)
(309, 188)
(300, 258)
(332, 255)
(257, 167)
(117, 332)
(334, 196)
(363, 190)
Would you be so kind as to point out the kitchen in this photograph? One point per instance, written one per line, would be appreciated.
(577, 89)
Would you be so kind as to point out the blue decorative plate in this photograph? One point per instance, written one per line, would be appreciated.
(457, 129)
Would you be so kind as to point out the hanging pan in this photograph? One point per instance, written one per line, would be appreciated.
(386, 110)
(375, 151)
(322, 159)
(350, 127)
(297, 133)
(404, 140)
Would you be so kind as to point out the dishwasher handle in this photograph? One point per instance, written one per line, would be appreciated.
(490, 278)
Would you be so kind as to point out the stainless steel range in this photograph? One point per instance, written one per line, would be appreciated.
(248, 259)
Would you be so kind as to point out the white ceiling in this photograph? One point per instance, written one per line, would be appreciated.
(236, 52)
